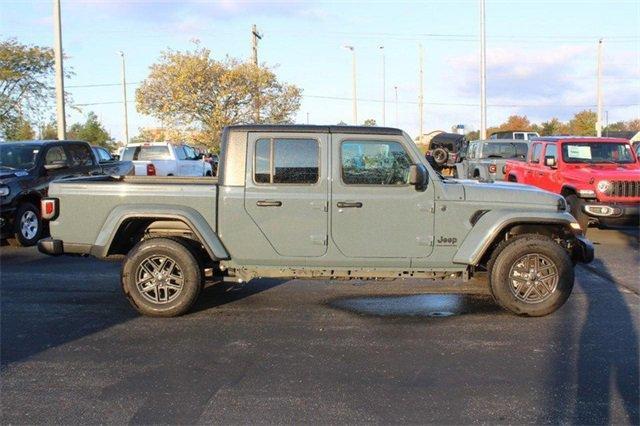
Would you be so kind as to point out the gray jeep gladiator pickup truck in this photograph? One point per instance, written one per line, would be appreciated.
(332, 202)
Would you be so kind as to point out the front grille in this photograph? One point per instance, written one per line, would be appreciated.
(626, 188)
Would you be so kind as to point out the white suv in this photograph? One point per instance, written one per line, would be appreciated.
(165, 159)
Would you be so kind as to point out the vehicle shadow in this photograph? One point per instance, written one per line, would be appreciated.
(218, 293)
(597, 368)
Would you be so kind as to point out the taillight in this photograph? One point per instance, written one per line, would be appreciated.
(493, 168)
(151, 169)
(49, 208)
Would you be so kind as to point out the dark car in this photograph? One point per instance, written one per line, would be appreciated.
(444, 150)
(26, 170)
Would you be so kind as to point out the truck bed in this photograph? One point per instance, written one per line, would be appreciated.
(94, 201)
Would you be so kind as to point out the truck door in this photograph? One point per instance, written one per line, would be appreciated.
(374, 211)
(531, 169)
(548, 176)
(287, 191)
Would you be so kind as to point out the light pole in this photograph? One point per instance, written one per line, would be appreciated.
(483, 75)
(60, 112)
(353, 83)
(599, 91)
(384, 95)
(421, 103)
(124, 99)
(395, 89)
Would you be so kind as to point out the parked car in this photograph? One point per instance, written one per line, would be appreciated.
(110, 164)
(26, 170)
(301, 202)
(599, 177)
(166, 159)
(485, 159)
(514, 135)
(444, 151)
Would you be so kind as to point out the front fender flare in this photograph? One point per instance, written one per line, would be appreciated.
(491, 224)
(208, 237)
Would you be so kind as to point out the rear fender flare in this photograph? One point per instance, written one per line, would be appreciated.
(491, 224)
(207, 236)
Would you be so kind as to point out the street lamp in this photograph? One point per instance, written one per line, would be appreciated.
(353, 77)
(124, 96)
(395, 89)
(384, 95)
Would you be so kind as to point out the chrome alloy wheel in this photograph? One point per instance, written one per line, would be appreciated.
(29, 225)
(533, 278)
(159, 279)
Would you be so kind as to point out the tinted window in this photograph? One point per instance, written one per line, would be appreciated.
(146, 153)
(374, 163)
(504, 150)
(18, 156)
(80, 155)
(518, 135)
(102, 154)
(294, 161)
(55, 154)
(535, 155)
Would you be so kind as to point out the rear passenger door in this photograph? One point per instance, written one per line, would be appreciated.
(286, 191)
(81, 160)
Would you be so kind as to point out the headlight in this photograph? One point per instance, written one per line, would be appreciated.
(4, 190)
(605, 187)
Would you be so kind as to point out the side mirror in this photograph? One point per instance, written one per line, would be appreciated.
(418, 176)
(550, 161)
(56, 165)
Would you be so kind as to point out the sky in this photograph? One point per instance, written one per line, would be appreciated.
(541, 54)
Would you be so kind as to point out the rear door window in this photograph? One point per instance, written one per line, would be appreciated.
(55, 155)
(79, 155)
(286, 161)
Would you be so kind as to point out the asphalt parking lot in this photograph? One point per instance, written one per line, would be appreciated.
(271, 351)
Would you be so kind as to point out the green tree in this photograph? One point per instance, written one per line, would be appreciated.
(19, 129)
(553, 127)
(193, 90)
(25, 82)
(370, 122)
(49, 131)
(583, 123)
(91, 131)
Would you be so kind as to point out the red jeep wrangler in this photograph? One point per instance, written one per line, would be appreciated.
(599, 177)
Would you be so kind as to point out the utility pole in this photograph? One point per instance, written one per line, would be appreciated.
(255, 36)
(421, 103)
(599, 91)
(384, 95)
(483, 74)
(395, 89)
(353, 83)
(124, 99)
(307, 118)
(60, 113)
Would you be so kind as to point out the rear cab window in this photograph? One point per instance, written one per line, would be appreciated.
(146, 153)
(286, 161)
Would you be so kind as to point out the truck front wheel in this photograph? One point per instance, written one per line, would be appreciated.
(575, 207)
(161, 277)
(531, 275)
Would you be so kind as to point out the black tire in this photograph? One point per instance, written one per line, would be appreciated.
(512, 178)
(440, 156)
(28, 233)
(152, 251)
(537, 296)
(575, 205)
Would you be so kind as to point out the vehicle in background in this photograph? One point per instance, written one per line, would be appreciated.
(110, 164)
(301, 202)
(444, 151)
(26, 170)
(486, 159)
(599, 177)
(514, 135)
(166, 159)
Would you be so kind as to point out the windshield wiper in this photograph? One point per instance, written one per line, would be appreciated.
(7, 167)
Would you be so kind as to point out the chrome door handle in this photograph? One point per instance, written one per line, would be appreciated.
(346, 205)
(268, 203)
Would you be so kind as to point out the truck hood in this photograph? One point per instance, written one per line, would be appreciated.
(509, 192)
(8, 173)
(595, 172)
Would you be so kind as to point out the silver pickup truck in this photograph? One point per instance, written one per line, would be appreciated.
(333, 202)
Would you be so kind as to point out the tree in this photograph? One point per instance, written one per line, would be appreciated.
(553, 127)
(583, 123)
(25, 82)
(91, 131)
(516, 123)
(19, 129)
(49, 131)
(370, 122)
(192, 90)
(633, 125)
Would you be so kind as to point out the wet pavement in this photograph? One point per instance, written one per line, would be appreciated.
(275, 351)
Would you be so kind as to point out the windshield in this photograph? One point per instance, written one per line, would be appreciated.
(597, 152)
(17, 156)
(504, 150)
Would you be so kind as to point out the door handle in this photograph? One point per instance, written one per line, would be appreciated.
(268, 203)
(346, 205)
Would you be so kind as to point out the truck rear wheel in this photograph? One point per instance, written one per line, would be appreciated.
(531, 275)
(161, 277)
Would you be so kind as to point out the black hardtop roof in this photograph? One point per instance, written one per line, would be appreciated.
(38, 142)
(306, 128)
